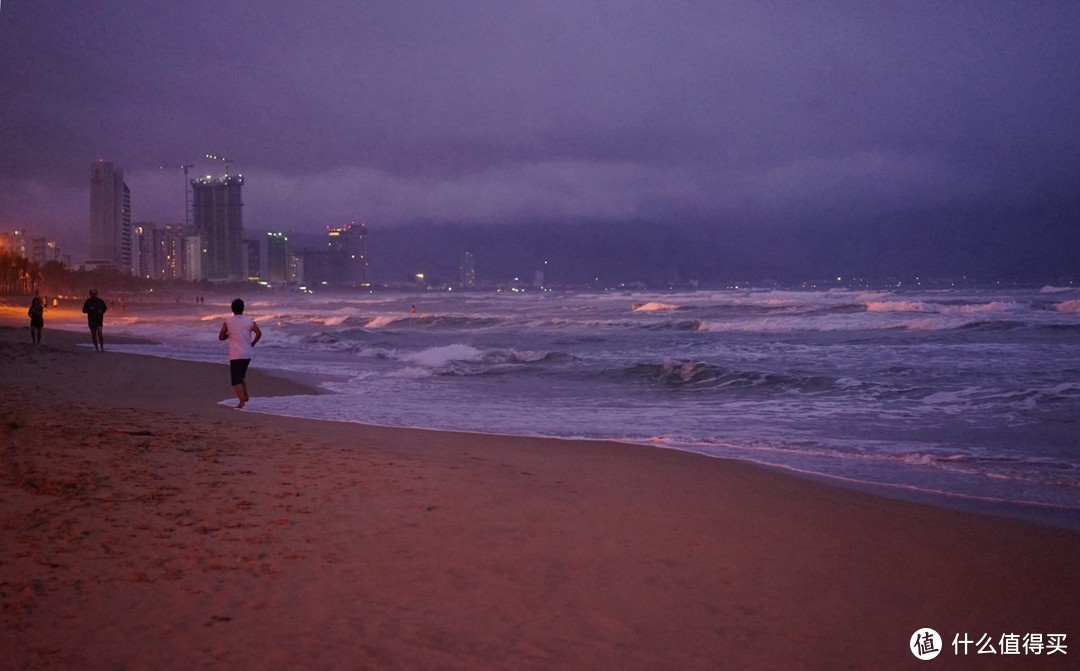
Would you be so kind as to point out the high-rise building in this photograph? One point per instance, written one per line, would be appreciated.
(277, 257)
(254, 253)
(145, 260)
(348, 247)
(467, 270)
(194, 251)
(110, 217)
(169, 244)
(177, 253)
(218, 210)
(39, 250)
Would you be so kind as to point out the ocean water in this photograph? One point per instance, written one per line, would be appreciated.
(967, 394)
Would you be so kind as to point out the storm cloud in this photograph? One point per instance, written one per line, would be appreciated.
(902, 130)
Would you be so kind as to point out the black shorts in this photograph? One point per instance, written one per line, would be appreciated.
(238, 369)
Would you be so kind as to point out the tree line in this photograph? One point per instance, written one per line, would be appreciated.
(21, 276)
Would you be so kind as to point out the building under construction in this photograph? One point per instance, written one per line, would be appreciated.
(218, 215)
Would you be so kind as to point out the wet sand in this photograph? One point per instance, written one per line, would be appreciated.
(145, 525)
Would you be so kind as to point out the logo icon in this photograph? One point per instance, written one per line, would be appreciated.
(925, 644)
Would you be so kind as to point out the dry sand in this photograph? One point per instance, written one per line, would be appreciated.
(146, 526)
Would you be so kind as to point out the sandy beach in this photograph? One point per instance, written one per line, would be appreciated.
(147, 526)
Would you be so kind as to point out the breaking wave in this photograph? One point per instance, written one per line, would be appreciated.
(433, 322)
(466, 360)
(895, 306)
(688, 374)
(653, 306)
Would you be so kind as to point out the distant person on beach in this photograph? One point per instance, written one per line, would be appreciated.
(95, 309)
(37, 319)
(237, 329)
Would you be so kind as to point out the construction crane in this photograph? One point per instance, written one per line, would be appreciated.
(187, 199)
(226, 161)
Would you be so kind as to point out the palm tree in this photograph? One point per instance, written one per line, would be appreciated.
(18, 274)
(8, 272)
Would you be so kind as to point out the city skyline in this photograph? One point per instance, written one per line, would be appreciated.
(810, 138)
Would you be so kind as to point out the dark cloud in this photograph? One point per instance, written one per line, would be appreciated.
(818, 119)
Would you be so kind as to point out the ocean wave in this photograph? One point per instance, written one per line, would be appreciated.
(840, 308)
(1060, 476)
(435, 357)
(689, 374)
(653, 306)
(466, 360)
(382, 321)
(428, 321)
(675, 325)
(1061, 328)
(895, 306)
(1003, 402)
(325, 341)
(993, 325)
(1054, 473)
(679, 373)
(456, 321)
(942, 308)
(975, 308)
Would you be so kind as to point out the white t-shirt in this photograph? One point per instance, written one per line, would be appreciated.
(240, 327)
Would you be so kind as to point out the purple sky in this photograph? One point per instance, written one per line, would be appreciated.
(797, 116)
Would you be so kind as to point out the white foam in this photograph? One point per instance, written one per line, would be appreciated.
(381, 322)
(654, 306)
(437, 357)
(895, 306)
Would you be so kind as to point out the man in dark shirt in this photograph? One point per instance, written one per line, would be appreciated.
(95, 309)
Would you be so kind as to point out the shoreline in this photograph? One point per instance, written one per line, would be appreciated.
(1048, 514)
(151, 526)
(310, 384)
(1052, 515)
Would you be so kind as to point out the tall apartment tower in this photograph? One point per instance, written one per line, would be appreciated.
(348, 246)
(169, 247)
(110, 216)
(145, 261)
(277, 258)
(218, 212)
(467, 270)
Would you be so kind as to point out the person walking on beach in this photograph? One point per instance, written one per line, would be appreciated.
(237, 329)
(95, 309)
(37, 320)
